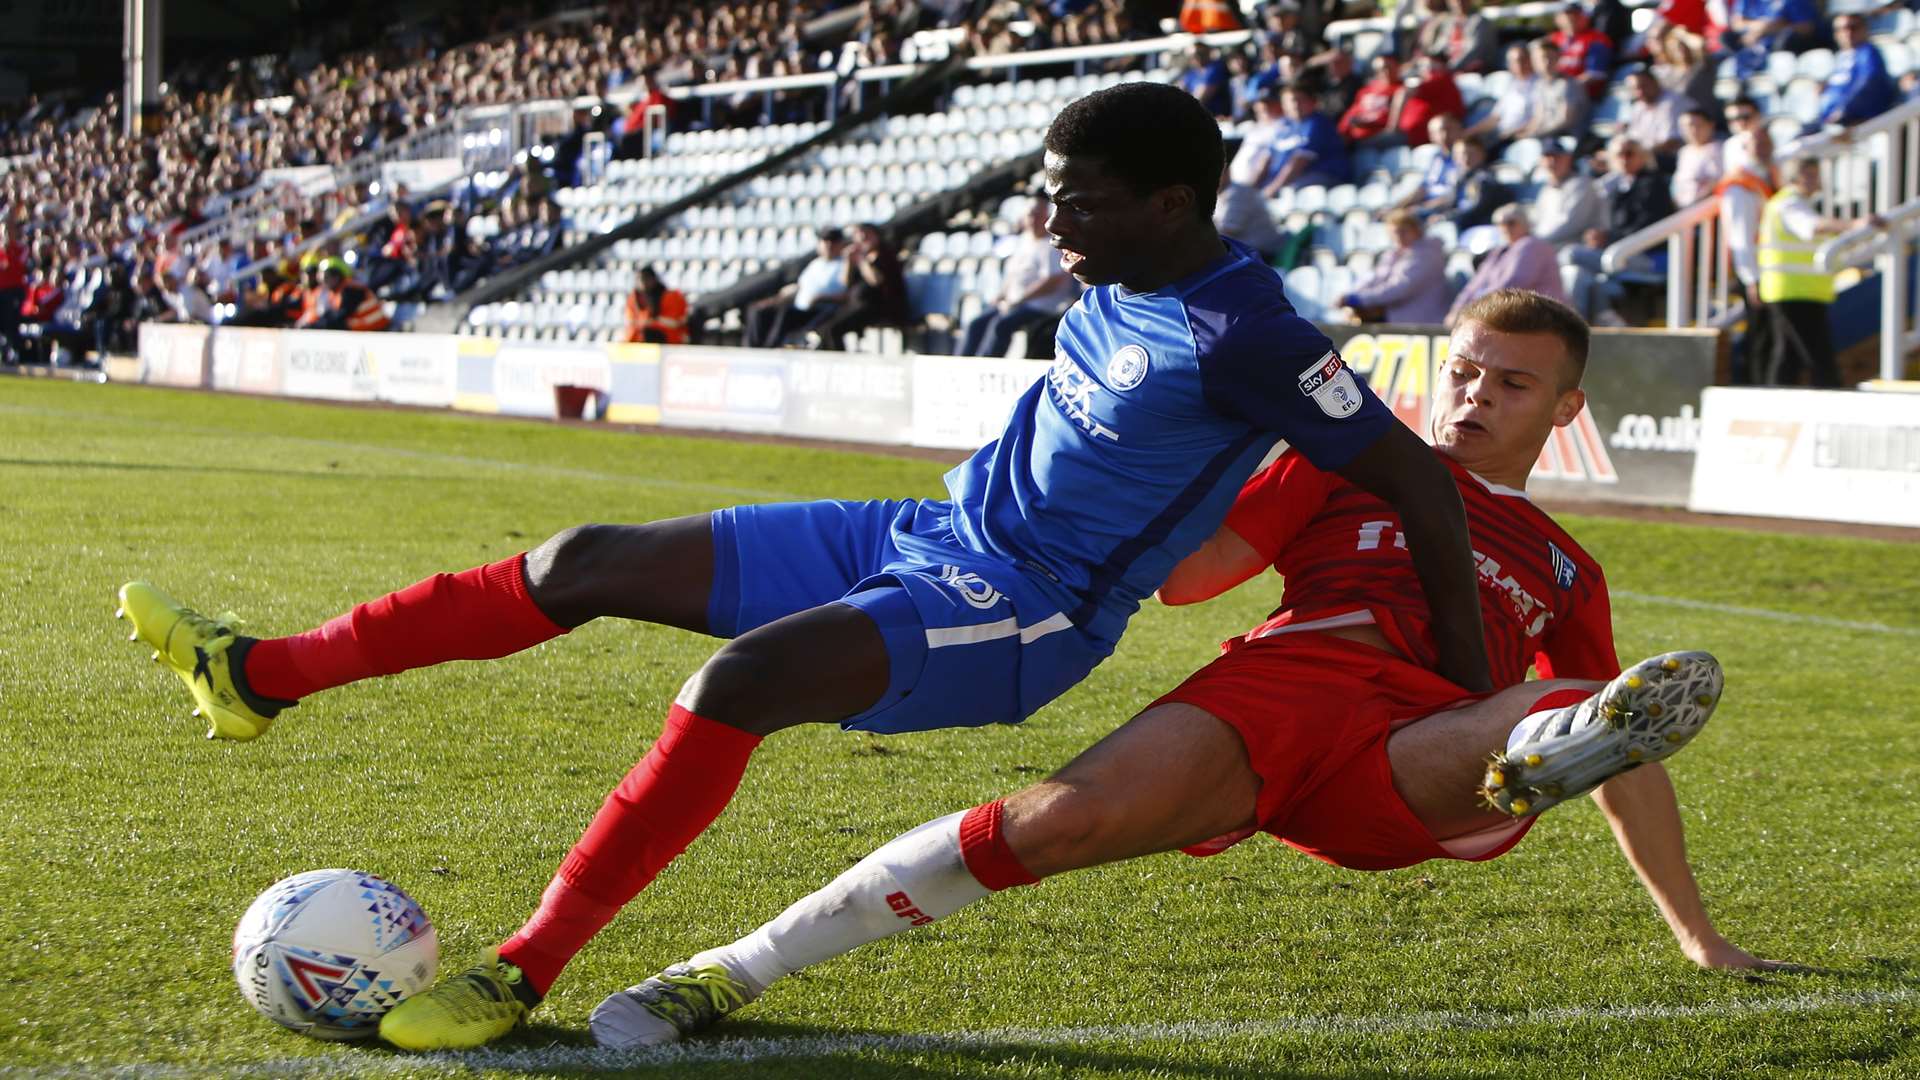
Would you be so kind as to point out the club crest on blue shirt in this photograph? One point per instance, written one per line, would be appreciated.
(1128, 368)
(1331, 386)
(1563, 567)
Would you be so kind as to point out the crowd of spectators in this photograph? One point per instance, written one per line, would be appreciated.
(1667, 141)
(91, 206)
(93, 217)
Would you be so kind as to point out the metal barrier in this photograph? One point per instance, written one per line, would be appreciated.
(1891, 246)
(1699, 267)
(1870, 168)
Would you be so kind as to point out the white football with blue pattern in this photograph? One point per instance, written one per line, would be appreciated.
(327, 953)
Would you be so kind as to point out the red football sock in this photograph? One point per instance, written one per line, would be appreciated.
(666, 801)
(1559, 699)
(477, 614)
(984, 848)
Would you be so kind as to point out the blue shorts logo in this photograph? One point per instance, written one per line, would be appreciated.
(971, 587)
(1128, 368)
(1564, 568)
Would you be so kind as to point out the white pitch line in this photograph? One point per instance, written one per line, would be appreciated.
(749, 1050)
(1765, 613)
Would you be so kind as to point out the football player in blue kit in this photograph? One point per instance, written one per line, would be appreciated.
(1175, 374)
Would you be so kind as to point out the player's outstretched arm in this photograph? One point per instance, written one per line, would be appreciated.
(1224, 561)
(1405, 472)
(1645, 816)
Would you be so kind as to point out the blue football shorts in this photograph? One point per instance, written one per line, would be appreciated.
(971, 639)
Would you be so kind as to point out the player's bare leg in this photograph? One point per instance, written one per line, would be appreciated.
(1439, 761)
(1171, 776)
(660, 572)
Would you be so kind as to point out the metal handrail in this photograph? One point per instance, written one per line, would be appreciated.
(1889, 241)
(1614, 259)
(1855, 246)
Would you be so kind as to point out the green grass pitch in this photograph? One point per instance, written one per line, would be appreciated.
(131, 845)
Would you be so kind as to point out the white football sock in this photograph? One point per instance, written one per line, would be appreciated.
(1528, 726)
(911, 880)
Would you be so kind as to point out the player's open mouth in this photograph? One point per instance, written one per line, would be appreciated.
(1470, 426)
(1070, 258)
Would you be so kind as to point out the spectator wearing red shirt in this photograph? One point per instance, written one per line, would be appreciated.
(634, 126)
(1433, 93)
(1689, 15)
(1585, 53)
(13, 284)
(44, 299)
(397, 254)
(1370, 119)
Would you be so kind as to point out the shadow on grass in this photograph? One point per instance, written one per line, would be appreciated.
(792, 1052)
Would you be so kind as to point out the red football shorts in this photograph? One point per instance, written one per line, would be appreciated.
(1315, 712)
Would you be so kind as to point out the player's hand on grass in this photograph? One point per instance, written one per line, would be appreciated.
(1720, 954)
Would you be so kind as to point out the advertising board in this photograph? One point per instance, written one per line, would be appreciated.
(329, 364)
(524, 375)
(961, 402)
(726, 389)
(415, 369)
(173, 355)
(246, 360)
(849, 396)
(1830, 455)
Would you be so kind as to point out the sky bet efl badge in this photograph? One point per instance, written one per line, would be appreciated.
(1331, 386)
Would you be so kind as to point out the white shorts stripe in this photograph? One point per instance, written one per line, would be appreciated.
(940, 637)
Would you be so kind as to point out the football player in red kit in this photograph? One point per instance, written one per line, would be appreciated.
(1325, 725)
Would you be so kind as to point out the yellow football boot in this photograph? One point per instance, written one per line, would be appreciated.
(463, 1011)
(201, 651)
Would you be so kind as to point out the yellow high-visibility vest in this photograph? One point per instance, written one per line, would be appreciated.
(1786, 261)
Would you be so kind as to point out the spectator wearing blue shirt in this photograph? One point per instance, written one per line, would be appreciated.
(1859, 88)
(1307, 148)
(1206, 79)
(1266, 70)
(1440, 181)
(1758, 27)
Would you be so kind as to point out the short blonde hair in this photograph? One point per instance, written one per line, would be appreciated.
(1523, 311)
(1405, 217)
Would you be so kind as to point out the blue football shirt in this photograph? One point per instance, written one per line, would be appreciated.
(1158, 407)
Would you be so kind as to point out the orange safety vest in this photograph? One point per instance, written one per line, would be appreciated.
(1763, 186)
(371, 314)
(1207, 16)
(670, 320)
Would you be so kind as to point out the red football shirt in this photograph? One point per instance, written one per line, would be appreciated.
(1542, 597)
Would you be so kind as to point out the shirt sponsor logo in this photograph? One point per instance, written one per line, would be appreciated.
(1527, 608)
(1128, 368)
(1331, 386)
(1073, 391)
(1564, 569)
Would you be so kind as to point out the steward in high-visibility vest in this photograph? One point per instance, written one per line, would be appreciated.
(656, 313)
(1786, 260)
(342, 304)
(1797, 296)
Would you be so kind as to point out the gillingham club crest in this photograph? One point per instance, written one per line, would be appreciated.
(1128, 368)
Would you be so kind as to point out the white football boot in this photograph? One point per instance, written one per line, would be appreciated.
(1648, 712)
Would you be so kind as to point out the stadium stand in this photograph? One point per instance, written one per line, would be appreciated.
(562, 147)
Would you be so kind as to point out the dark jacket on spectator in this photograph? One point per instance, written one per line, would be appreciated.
(1638, 205)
